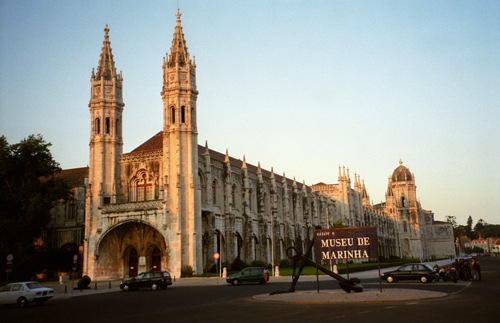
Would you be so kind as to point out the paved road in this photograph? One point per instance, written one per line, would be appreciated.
(209, 300)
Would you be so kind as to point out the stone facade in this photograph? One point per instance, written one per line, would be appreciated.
(171, 203)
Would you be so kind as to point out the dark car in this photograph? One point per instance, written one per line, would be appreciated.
(248, 275)
(149, 279)
(422, 272)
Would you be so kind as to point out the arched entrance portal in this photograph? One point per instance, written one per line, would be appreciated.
(131, 248)
(133, 262)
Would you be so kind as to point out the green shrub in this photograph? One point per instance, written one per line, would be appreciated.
(187, 271)
(238, 265)
(285, 263)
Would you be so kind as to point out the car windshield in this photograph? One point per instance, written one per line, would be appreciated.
(34, 285)
(428, 267)
(140, 276)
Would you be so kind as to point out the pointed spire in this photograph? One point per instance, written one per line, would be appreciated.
(244, 163)
(178, 52)
(272, 173)
(226, 158)
(259, 170)
(106, 66)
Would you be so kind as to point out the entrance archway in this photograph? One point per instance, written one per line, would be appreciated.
(133, 263)
(127, 250)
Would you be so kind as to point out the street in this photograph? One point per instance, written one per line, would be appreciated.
(466, 301)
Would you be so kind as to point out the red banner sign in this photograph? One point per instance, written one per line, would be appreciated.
(345, 243)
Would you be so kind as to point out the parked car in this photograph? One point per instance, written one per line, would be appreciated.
(422, 272)
(149, 279)
(248, 275)
(23, 293)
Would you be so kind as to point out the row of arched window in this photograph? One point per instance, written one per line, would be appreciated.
(107, 126)
(183, 115)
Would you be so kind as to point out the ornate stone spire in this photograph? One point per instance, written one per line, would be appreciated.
(178, 52)
(106, 67)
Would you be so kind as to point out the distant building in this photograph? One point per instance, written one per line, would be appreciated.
(171, 203)
(489, 245)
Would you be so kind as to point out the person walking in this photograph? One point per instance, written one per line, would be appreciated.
(476, 269)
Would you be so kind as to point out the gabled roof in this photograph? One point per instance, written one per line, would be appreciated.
(74, 176)
(153, 143)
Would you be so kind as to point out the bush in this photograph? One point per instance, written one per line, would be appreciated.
(187, 271)
(285, 263)
(260, 263)
(238, 265)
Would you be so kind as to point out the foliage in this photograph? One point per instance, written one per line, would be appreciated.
(285, 263)
(260, 263)
(491, 231)
(339, 224)
(468, 228)
(187, 271)
(452, 220)
(238, 265)
(28, 190)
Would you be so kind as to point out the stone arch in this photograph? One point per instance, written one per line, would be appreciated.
(202, 179)
(113, 249)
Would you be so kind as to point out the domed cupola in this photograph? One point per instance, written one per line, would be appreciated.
(401, 174)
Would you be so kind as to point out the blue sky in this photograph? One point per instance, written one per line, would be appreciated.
(300, 86)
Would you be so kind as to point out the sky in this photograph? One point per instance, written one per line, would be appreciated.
(302, 87)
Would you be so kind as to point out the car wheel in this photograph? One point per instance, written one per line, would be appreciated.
(22, 302)
(154, 287)
(423, 279)
(236, 282)
(390, 279)
(126, 288)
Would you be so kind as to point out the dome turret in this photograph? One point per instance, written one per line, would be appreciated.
(401, 174)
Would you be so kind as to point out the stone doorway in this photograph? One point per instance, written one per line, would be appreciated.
(133, 262)
(156, 259)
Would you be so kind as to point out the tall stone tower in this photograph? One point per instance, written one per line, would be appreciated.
(180, 154)
(403, 206)
(106, 142)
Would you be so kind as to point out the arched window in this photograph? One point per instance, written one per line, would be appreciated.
(172, 115)
(144, 187)
(183, 114)
(255, 242)
(108, 126)
(97, 126)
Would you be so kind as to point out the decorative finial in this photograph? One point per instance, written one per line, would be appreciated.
(400, 161)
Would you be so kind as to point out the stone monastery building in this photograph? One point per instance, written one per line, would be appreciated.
(171, 202)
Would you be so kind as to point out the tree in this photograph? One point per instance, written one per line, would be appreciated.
(479, 227)
(468, 228)
(451, 219)
(28, 190)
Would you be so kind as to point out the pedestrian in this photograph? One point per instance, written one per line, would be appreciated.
(466, 269)
(266, 276)
(475, 269)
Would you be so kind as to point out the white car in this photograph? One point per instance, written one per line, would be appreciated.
(22, 293)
